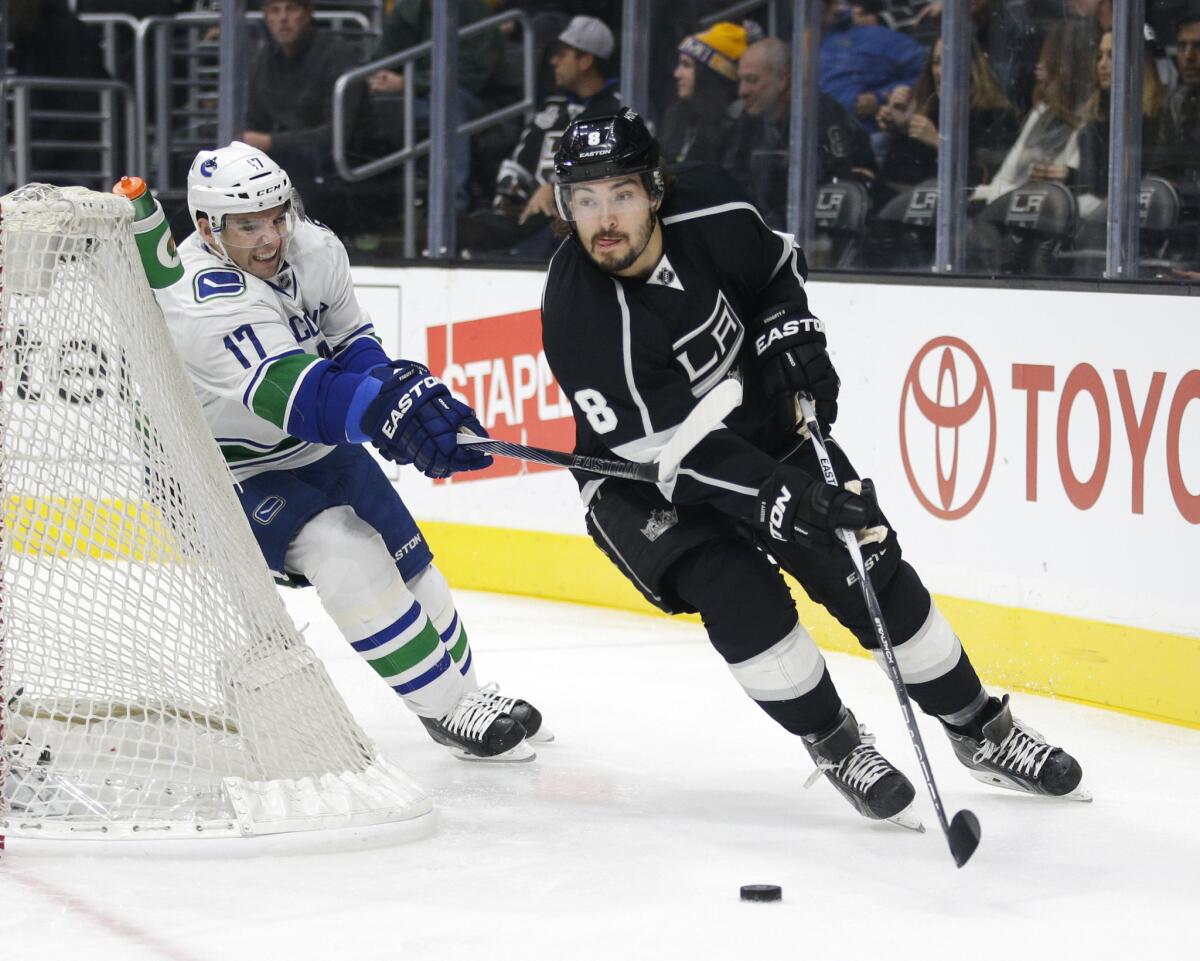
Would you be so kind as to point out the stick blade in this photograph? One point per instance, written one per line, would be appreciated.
(963, 836)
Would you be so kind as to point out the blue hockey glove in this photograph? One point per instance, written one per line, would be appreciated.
(416, 420)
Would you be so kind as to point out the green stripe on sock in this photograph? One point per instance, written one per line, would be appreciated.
(271, 397)
(408, 656)
(459, 651)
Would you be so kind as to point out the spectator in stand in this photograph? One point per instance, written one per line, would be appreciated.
(758, 148)
(862, 61)
(523, 205)
(697, 125)
(1178, 151)
(910, 119)
(50, 41)
(1010, 39)
(410, 23)
(288, 109)
(1091, 179)
(1047, 147)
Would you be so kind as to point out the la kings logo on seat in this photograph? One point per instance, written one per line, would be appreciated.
(707, 353)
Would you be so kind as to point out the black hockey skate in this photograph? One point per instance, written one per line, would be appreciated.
(521, 711)
(998, 749)
(846, 755)
(478, 730)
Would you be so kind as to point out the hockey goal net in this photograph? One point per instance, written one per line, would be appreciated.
(151, 681)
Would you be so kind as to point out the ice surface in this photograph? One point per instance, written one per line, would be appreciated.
(629, 837)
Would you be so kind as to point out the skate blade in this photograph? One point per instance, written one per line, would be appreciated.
(514, 755)
(543, 736)
(998, 780)
(908, 819)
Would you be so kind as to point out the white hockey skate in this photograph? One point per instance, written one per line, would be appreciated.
(999, 750)
(477, 729)
(846, 755)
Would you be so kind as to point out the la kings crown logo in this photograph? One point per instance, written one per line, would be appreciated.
(659, 523)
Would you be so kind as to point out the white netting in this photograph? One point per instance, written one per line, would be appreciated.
(150, 677)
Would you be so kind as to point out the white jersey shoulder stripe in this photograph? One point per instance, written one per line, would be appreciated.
(717, 482)
(789, 250)
(627, 351)
(713, 211)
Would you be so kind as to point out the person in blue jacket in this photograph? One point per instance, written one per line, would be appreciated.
(862, 61)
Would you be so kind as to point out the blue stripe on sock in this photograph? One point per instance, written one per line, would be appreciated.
(449, 632)
(466, 664)
(432, 674)
(389, 633)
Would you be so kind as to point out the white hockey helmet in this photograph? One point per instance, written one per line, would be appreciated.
(236, 179)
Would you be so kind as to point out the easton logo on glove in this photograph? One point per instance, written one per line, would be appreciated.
(788, 329)
(405, 403)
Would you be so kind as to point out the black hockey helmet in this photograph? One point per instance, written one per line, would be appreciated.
(598, 148)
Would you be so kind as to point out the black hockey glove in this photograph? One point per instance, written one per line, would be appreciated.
(415, 420)
(790, 351)
(797, 508)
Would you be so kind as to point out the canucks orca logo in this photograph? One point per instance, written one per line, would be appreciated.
(208, 167)
(218, 282)
(265, 512)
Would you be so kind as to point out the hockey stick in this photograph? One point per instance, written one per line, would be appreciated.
(708, 413)
(962, 833)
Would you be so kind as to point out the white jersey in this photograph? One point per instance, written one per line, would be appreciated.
(247, 342)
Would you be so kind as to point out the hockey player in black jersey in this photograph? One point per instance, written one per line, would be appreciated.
(667, 285)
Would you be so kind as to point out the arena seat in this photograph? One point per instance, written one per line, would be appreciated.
(841, 217)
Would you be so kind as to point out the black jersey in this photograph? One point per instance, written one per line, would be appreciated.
(634, 355)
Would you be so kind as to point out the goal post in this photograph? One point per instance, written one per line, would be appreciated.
(152, 684)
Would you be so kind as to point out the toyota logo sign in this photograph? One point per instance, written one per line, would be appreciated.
(947, 427)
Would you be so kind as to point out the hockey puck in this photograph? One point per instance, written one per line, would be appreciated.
(762, 892)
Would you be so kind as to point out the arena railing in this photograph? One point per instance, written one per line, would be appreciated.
(413, 150)
(109, 149)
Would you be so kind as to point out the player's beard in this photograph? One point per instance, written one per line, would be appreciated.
(615, 263)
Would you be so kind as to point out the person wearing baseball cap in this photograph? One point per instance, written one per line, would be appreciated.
(589, 35)
(523, 205)
(697, 125)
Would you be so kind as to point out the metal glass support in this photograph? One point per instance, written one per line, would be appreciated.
(162, 107)
(231, 83)
(635, 53)
(410, 168)
(1125, 140)
(20, 115)
(443, 96)
(953, 122)
(803, 156)
(4, 185)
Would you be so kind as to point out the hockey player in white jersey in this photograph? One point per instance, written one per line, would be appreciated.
(292, 381)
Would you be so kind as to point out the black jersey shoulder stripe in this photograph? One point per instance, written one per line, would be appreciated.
(712, 212)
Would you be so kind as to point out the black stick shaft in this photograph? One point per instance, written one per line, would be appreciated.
(964, 835)
(557, 458)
